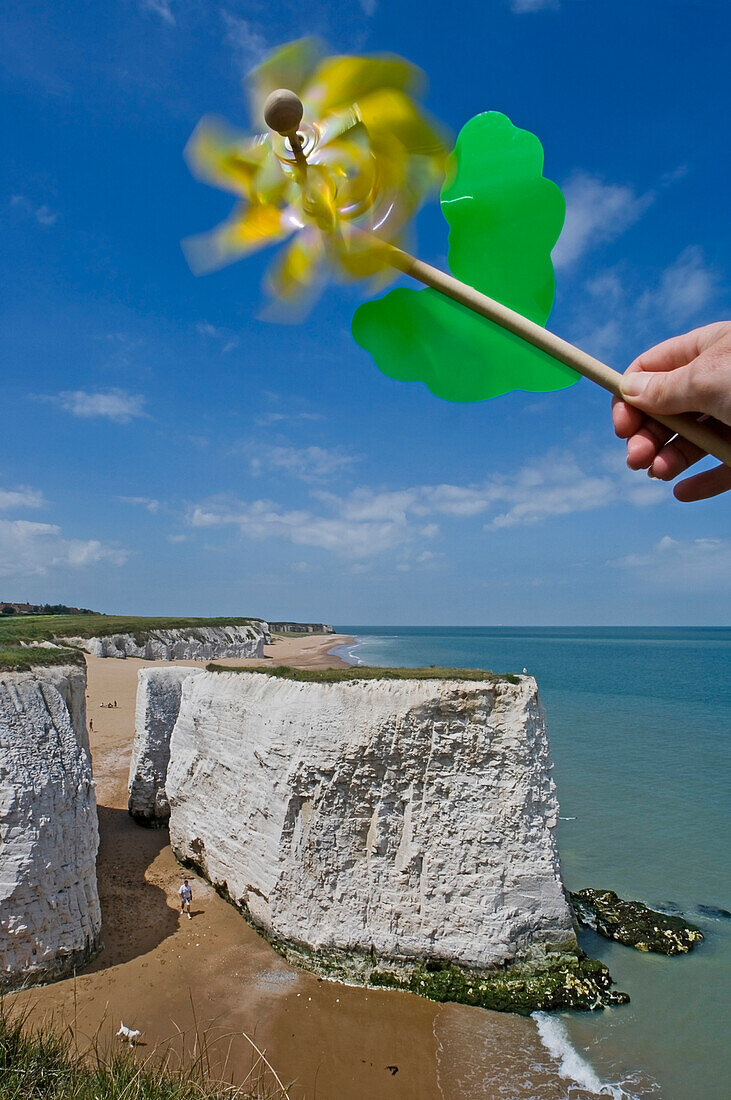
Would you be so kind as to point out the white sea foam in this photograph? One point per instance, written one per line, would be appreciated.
(571, 1065)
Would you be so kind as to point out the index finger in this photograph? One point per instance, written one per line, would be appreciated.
(676, 352)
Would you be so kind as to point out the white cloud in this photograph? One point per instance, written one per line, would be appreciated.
(305, 463)
(42, 214)
(264, 519)
(368, 522)
(369, 7)
(700, 563)
(247, 44)
(33, 549)
(596, 212)
(522, 6)
(149, 503)
(685, 288)
(22, 497)
(222, 335)
(162, 8)
(111, 404)
(619, 311)
(266, 420)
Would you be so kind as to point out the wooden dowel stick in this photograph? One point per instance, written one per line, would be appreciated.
(685, 425)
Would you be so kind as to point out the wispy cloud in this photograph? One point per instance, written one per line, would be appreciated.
(114, 404)
(266, 420)
(148, 503)
(369, 7)
(161, 8)
(596, 212)
(618, 311)
(224, 337)
(22, 497)
(33, 549)
(306, 463)
(42, 214)
(706, 562)
(367, 522)
(246, 42)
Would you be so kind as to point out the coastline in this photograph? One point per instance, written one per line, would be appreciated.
(173, 980)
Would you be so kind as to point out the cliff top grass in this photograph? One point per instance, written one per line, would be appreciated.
(22, 658)
(31, 629)
(369, 672)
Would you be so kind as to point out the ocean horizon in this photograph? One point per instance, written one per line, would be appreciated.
(638, 721)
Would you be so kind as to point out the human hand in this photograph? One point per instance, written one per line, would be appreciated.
(690, 373)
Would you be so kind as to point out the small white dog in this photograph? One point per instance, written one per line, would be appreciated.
(128, 1035)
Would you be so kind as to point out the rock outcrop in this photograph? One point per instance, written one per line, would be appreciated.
(385, 831)
(158, 703)
(199, 643)
(49, 908)
(632, 923)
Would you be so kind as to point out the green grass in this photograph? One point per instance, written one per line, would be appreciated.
(22, 658)
(367, 672)
(42, 1065)
(15, 629)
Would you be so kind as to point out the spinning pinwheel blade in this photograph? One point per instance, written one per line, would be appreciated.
(349, 158)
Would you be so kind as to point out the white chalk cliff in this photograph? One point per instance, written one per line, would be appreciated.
(156, 711)
(49, 908)
(199, 643)
(389, 820)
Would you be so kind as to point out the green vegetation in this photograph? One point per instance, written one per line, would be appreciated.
(41, 1065)
(367, 672)
(30, 629)
(560, 981)
(23, 658)
(48, 627)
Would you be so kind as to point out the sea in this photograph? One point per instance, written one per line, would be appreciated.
(639, 721)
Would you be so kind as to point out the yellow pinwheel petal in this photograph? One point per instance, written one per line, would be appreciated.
(389, 113)
(295, 272)
(291, 67)
(217, 154)
(247, 232)
(340, 81)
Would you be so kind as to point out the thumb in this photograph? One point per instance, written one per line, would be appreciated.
(673, 391)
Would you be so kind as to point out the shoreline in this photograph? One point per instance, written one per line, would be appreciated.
(174, 979)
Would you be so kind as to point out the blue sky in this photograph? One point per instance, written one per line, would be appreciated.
(166, 451)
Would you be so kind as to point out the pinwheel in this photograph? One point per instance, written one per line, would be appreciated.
(348, 160)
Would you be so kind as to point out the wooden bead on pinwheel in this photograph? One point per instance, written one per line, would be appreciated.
(283, 111)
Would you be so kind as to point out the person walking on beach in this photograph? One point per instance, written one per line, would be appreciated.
(186, 896)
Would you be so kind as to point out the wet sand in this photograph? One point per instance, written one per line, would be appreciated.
(168, 975)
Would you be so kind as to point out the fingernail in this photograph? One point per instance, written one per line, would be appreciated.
(633, 385)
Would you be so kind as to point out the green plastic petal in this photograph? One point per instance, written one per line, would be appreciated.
(504, 219)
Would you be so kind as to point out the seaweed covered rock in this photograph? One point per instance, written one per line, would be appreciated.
(632, 923)
(558, 981)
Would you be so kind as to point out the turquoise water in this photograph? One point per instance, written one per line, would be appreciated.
(639, 722)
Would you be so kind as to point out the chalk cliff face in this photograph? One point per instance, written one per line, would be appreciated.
(158, 703)
(49, 908)
(302, 628)
(380, 821)
(182, 644)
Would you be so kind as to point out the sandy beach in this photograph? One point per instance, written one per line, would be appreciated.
(169, 976)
